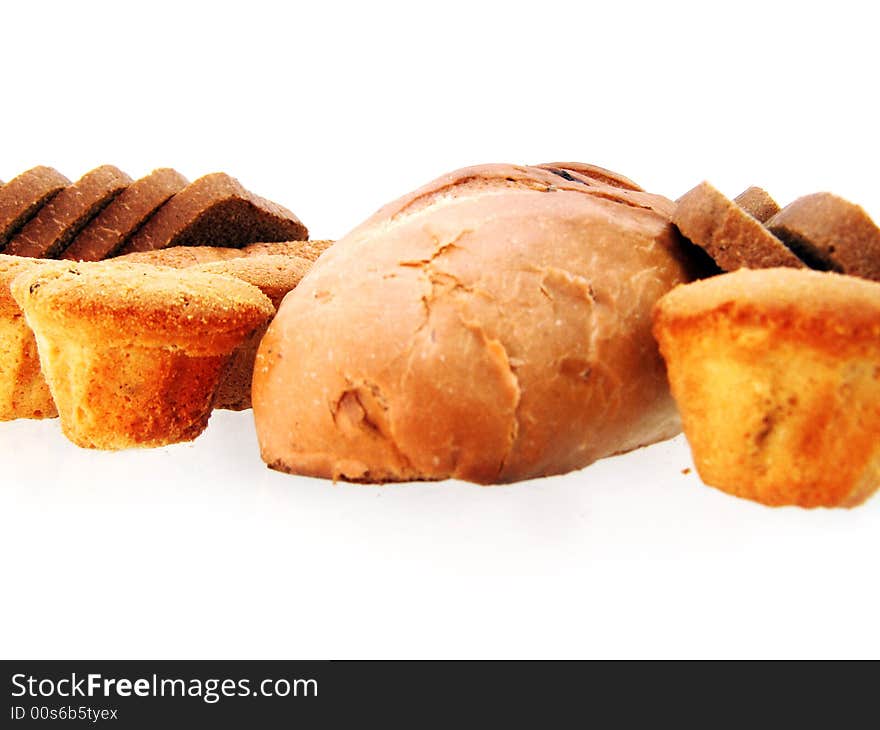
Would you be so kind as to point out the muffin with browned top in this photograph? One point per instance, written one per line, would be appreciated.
(133, 354)
(23, 390)
(776, 373)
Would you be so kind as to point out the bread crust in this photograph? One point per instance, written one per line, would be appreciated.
(491, 326)
(594, 172)
(112, 227)
(832, 232)
(47, 234)
(216, 210)
(758, 203)
(729, 234)
(181, 257)
(23, 196)
(777, 376)
(119, 302)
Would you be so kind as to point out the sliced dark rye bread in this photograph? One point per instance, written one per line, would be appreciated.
(108, 231)
(216, 210)
(594, 172)
(23, 196)
(732, 237)
(830, 233)
(758, 203)
(56, 224)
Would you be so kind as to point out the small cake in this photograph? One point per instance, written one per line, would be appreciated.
(275, 276)
(776, 374)
(133, 353)
(23, 390)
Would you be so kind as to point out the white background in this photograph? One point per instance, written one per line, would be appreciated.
(332, 109)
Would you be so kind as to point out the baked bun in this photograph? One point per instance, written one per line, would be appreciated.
(491, 326)
(23, 390)
(133, 354)
(777, 376)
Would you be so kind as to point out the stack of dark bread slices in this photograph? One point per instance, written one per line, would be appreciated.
(819, 231)
(105, 213)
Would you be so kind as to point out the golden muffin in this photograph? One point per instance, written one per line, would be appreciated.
(23, 390)
(776, 373)
(133, 353)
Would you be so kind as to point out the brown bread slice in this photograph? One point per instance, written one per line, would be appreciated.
(830, 233)
(62, 218)
(216, 210)
(732, 237)
(758, 203)
(23, 196)
(112, 227)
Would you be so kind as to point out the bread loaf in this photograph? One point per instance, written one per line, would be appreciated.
(491, 326)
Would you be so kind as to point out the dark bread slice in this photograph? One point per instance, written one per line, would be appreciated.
(830, 233)
(732, 237)
(758, 203)
(594, 172)
(112, 227)
(23, 196)
(56, 224)
(216, 210)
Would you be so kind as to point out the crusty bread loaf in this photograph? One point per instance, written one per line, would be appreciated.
(830, 233)
(730, 235)
(47, 234)
(492, 326)
(216, 210)
(23, 196)
(777, 376)
(133, 354)
(112, 227)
